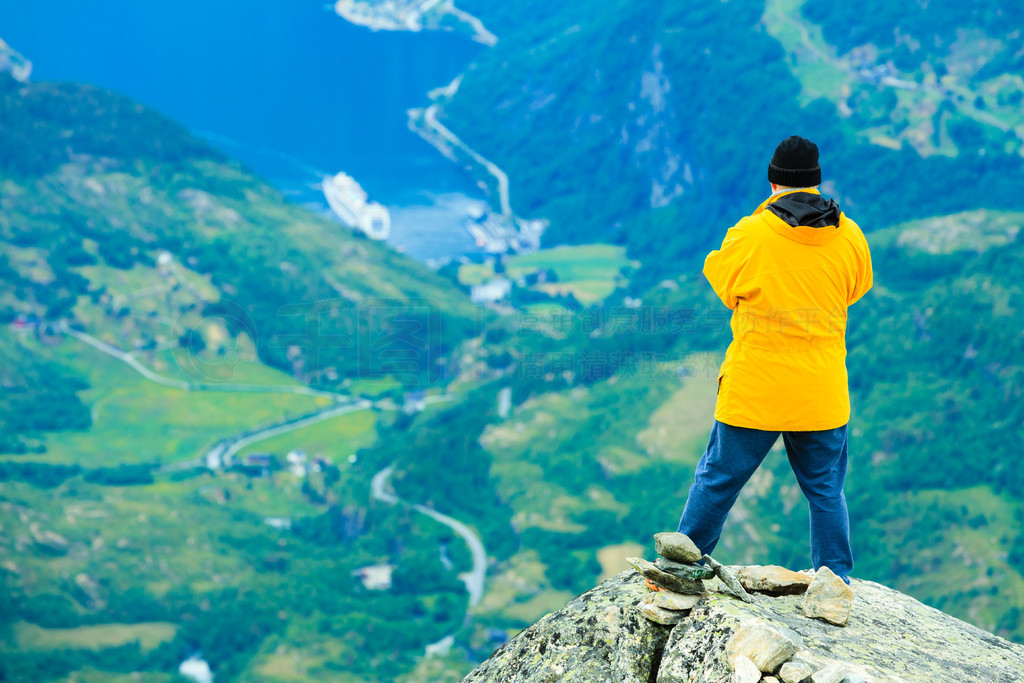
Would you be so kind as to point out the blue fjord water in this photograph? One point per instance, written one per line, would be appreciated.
(286, 86)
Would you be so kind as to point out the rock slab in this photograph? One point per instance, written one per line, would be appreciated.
(601, 636)
(745, 671)
(686, 571)
(732, 584)
(773, 580)
(676, 584)
(658, 614)
(675, 601)
(678, 547)
(828, 598)
(839, 672)
(667, 608)
(598, 636)
(767, 646)
(795, 672)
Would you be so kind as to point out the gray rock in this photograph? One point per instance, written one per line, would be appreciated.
(745, 671)
(673, 545)
(674, 601)
(815, 661)
(672, 582)
(795, 672)
(766, 645)
(667, 608)
(601, 636)
(693, 572)
(598, 636)
(731, 582)
(829, 598)
(658, 614)
(771, 679)
(773, 580)
(840, 672)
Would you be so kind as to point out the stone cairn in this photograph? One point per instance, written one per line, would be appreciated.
(757, 648)
(678, 574)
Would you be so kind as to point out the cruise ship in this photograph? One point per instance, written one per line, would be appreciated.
(347, 200)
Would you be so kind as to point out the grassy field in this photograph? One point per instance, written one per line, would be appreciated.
(678, 429)
(91, 676)
(295, 657)
(613, 558)
(239, 365)
(812, 60)
(31, 637)
(334, 439)
(590, 272)
(136, 420)
(956, 562)
(978, 231)
(908, 107)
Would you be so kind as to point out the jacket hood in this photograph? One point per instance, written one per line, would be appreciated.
(804, 216)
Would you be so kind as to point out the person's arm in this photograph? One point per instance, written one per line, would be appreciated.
(864, 277)
(724, 267)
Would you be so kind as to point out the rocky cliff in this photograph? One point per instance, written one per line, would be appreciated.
(605, 635)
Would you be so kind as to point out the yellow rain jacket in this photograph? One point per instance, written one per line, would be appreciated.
(788, 271)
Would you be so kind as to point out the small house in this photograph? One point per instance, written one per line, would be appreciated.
(413, 402)
(491, 291)
(264, 460)
(375, 577)
(298, 463)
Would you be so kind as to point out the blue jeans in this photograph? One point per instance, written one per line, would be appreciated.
(819, 461)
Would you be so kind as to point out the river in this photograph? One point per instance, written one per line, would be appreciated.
(286, 86)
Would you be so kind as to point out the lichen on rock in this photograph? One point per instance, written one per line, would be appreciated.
(602, 636)
(598, 636)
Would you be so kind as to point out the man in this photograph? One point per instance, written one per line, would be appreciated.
(788, 271)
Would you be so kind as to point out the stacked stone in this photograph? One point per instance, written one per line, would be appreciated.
(677, 573)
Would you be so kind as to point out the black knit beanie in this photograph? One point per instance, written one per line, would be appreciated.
(795, 163)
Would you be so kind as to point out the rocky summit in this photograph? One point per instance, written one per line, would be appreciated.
(608, 634)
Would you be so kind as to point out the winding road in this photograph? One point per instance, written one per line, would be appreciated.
(133, 362)
(474, 578)
(501, 178)
(221, 454)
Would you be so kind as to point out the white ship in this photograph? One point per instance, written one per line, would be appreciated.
(12, 61)
(347, 200)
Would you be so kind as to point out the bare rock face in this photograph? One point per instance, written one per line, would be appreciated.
(602, 636)
(745, 670)
(766, 645)
(828, 597)
(599, 636)
(773, 580)
(795, 672)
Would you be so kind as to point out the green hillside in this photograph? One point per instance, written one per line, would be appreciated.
(156, 299)
(158, 302)
(96, 188)
(650, 124)
(586, 467)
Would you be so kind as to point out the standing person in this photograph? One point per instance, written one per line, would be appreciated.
(788, 272)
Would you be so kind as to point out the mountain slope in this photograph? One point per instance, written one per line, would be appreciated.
(216, 303)
(94, 184)
(650, 123)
